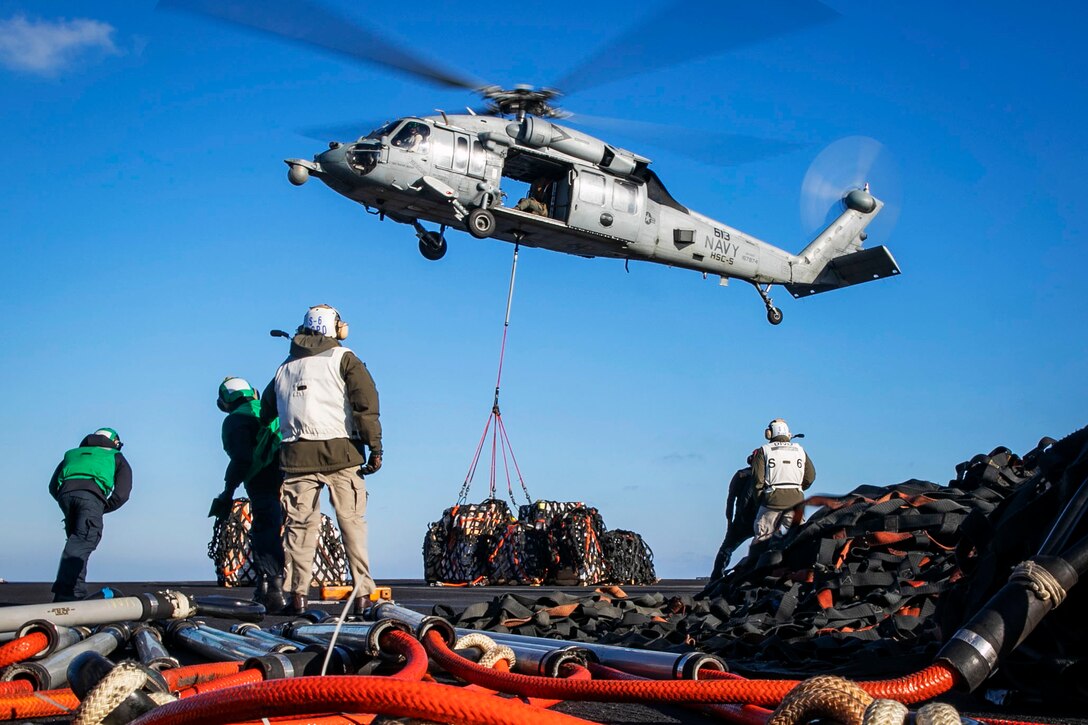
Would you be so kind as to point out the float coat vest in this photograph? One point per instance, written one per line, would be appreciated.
(312, 400)
(92, 462)
(267, 444)
(784, 474)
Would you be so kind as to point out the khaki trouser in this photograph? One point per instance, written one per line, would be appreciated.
(768, 522)
(302, 525)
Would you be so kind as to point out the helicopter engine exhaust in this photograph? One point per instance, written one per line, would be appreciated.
(538, 133)
(298, 175)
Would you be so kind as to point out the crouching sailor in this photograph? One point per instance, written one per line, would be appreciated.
(89, 482)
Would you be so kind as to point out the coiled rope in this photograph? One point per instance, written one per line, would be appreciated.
(1039, 580)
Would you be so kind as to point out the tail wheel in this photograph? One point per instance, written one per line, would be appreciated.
(432, 246)
(774, 315)
(481, 223)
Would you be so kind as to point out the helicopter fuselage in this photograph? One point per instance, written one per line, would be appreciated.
(595, 200)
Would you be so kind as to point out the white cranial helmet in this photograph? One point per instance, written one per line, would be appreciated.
(776, 428)
(326, 321)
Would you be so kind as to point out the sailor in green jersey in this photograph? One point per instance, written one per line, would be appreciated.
(89, 482)
(254, 463)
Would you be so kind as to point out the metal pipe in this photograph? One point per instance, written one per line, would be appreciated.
(52, 672)
(644, 663)
(420, 624)
(150, 649)
(364, 637)
(204, 641)
(232, 639)
(161, 605)
(59, 637)
(252, 631)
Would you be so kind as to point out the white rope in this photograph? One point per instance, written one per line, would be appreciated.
(937, 713)
(1039, 580)
(113, 689)
(184, 607)
(340, 623)
(492, 652)
(885, 712)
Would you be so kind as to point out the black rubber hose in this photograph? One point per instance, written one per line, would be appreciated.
(1077, 556)
(216, 605)
(1070, 516)
(1008, 618)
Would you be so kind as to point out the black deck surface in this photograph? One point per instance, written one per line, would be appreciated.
(417, 595)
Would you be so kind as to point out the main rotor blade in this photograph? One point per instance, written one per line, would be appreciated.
(706, 146)
(683, 30)
(310, 22)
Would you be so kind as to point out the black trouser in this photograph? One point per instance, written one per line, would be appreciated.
(734, 537)
(266, 544)
(83, 526)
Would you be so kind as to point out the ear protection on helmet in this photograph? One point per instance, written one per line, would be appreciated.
(776, 427)
(315, 320)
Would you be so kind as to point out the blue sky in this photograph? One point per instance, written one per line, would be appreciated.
(151, 239)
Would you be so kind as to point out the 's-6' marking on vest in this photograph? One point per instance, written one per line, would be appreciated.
(785, 465)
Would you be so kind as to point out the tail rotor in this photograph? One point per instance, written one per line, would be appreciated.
(853, 163)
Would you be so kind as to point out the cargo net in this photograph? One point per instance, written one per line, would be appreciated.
(871, 585)
(230, 550)
(550, 542)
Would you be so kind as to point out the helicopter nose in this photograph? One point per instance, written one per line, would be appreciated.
(333, 157)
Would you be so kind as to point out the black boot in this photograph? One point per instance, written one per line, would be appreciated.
(260, 592)
(298, 604)
(275, 601)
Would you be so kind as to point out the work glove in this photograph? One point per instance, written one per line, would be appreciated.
(373, 464)
(221, 505)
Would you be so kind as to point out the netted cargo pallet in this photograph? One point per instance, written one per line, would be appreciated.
(229, 548)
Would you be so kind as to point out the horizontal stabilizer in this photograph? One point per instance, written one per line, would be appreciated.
(849, 269)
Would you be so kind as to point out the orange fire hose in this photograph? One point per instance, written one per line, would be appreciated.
(737, 714)
(338, 719)
(22, 648)
(245, 677)
(574, 673)
(415, 657)
(181, 677)
(47, 703)
(923, 685)
(381, 695)
(16, 687)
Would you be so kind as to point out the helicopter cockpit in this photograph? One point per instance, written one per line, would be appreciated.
(412, 136)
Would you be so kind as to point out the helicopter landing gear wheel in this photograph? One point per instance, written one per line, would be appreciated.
(481, 223)
(432, 246)
(774, 315)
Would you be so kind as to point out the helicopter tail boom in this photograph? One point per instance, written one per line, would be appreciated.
(835, 258)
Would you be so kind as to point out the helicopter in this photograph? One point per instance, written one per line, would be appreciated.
(587, 197)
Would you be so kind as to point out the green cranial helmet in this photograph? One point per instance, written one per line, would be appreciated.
(111, 434)
(232, 390)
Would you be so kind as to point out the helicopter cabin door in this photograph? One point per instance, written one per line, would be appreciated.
(605, 205)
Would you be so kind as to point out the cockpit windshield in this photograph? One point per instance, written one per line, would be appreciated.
(385, 130)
